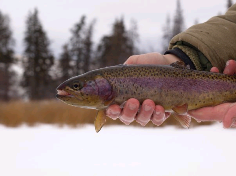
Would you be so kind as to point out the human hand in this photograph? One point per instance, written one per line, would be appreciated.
(225, 112)
(148, 110)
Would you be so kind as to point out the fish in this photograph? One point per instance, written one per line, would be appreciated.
(176, 87)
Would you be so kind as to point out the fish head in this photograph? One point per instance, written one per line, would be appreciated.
(86, 91)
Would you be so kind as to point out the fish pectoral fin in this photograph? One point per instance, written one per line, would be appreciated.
(182, 109)
(180, 64)
(100, 120)
(109, 102)
(184, 120)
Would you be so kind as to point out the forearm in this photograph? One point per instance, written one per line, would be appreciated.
(211, 43)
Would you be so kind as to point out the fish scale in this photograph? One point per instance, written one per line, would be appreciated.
(169, 86)
(176, 88)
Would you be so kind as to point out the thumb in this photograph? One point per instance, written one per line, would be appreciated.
(230, 116)
(149, 58)
(215, 113)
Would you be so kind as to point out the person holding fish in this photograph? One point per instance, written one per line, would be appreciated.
(181, 82)
(210, 46)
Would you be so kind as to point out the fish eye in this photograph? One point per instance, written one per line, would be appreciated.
(77, 86)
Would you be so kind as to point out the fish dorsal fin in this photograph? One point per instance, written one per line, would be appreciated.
(179, 64)
(184, 120)
(182, 109)
(100, 120)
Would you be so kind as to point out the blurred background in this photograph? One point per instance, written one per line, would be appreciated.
(43, 43)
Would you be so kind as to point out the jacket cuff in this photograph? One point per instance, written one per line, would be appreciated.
(199, 60)
(180, 54)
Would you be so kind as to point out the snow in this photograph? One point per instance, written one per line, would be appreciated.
(117, 150)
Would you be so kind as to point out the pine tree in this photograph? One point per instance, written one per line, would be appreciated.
(229, 4)
(103, 51)
(178, 20)
(65, 64)
(76, 44)
(133, 36)
(87, 47)
(38, 60)
(6, 57)
(167, 34)
(115, 48)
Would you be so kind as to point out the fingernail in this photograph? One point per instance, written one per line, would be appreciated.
(141, 122)
(158, 113)
(132, 106)
(113, 112)
(233, 125)
(125, 122)
(147, 108)
(227, 63)
(113, 118)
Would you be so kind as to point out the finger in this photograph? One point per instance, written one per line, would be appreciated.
(149, 58)
(167, 115)
(145, 113)
(215, 70)
(130, 110)
(158, 116)
(234, 123)
(230, 67)
(132, 60)
(215, 113)
(230, 116)
(113, 111)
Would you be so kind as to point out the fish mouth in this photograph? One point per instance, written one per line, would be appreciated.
(65, 96)
(62, 94)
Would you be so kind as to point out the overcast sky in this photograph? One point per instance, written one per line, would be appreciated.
(58, 17)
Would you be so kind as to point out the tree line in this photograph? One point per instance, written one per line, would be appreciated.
(42, 72)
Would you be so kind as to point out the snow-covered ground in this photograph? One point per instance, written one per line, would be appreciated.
(117, 150)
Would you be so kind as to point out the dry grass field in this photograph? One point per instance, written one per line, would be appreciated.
(14, 114)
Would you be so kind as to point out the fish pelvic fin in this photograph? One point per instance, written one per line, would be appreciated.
(182, 110)
(100, 120)
(184, 120)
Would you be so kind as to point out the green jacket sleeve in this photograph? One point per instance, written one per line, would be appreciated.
(214, 39)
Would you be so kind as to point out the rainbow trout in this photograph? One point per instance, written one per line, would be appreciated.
(175, 87)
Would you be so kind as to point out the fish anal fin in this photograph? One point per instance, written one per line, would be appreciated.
(184, 120)
(100, 120)
(179, 64)
(182, 109)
